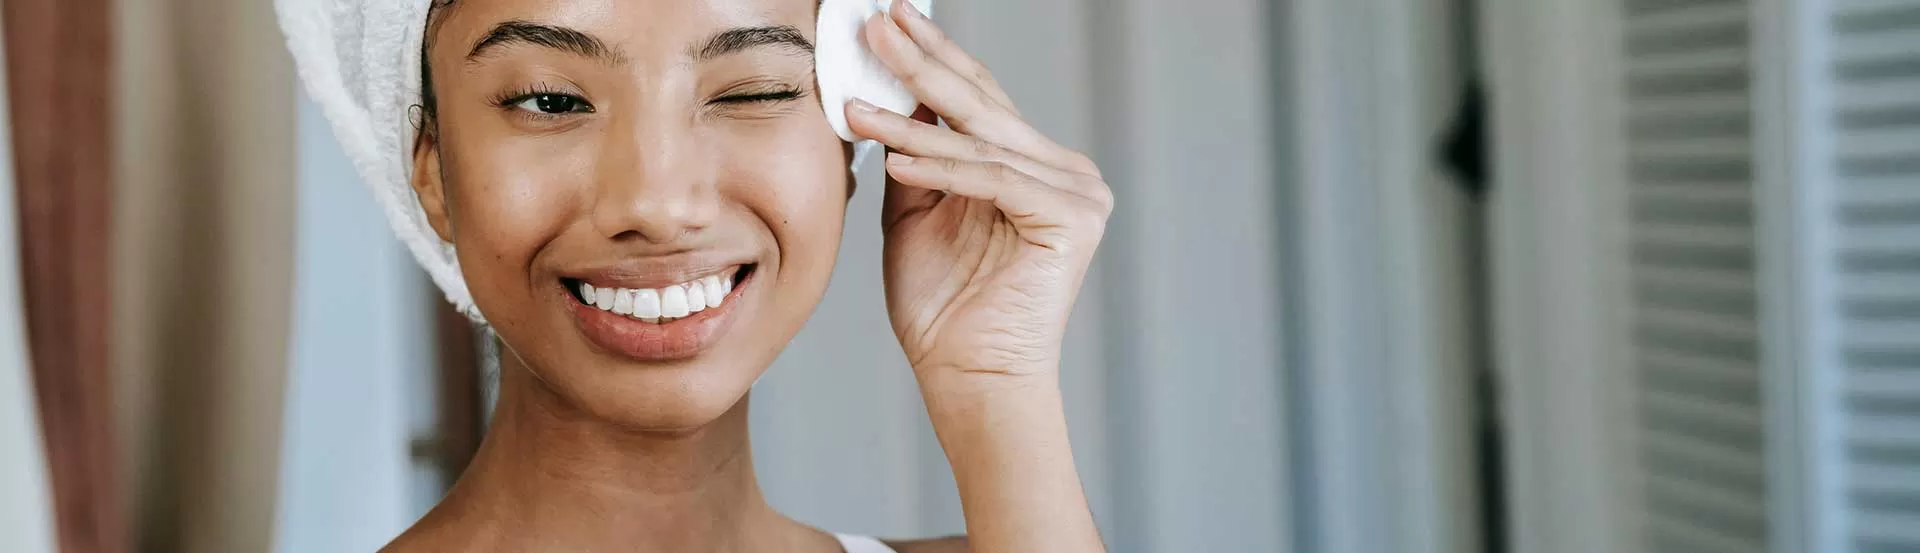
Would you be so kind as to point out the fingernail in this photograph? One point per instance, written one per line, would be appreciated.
(863, 106)
(897, 158)
(913, 10)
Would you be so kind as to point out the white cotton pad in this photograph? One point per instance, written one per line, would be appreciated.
(847, 69)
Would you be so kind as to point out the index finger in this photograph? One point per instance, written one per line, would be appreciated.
(942, 48)
(965, 107)
(899, 200)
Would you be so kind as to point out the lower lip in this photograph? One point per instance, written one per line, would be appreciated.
(680, 339)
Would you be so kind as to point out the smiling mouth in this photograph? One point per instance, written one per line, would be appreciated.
(661, 305)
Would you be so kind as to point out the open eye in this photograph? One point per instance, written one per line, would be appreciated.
(552, 104)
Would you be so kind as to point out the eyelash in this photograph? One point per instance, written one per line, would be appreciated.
(512, 99)
(769, 97)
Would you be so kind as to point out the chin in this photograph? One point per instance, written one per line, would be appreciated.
(662, 399)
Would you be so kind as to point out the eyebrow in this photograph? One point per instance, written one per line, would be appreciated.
(739, 39)
(730, 41)
(559, 38)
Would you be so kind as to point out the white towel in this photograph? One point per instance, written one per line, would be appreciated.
(360, 60)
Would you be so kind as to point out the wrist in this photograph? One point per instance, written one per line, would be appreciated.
(966, 389)
(983, 416)
(1007, 442)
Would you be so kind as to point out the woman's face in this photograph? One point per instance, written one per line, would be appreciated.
(671, 155)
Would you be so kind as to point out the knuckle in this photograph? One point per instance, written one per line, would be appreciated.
(983, 99)
(1080, 162)
(913, 76)
(921, 56)
(958, 118)
(981, 72)
(985, 150)
(1096, 227)
(1000, 171)
(1090, 225)
(1103, 198)
(939, 39)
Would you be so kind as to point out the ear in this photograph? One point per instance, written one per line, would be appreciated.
(427, 180)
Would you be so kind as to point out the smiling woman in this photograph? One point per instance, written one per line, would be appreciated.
(645, 202)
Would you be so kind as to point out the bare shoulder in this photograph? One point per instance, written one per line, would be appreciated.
(955, 544)
(411, 541)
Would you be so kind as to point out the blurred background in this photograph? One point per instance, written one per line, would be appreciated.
(1432, 276)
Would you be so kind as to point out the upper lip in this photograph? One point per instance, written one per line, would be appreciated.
(659, 272)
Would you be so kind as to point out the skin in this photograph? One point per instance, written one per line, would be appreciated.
(989, 230)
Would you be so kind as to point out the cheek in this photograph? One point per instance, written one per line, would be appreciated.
(507, 198)
(797, 185)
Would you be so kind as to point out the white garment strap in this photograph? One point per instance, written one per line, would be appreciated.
(862, 544)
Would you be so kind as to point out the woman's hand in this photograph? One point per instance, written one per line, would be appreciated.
(989, 229)
(990, 226)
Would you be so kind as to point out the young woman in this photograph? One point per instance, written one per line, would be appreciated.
(645, 201)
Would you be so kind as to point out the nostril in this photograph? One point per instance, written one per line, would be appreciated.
(629, 235)
(656, 235)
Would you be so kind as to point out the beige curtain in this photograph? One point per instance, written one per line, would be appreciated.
(203, 268)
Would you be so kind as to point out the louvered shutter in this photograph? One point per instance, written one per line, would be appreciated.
(1695, 325)
(1847, 280)
(1875, 263)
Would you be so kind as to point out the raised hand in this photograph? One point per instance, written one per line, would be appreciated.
(990, 226)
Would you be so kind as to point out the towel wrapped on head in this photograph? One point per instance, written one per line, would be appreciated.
(360, 60)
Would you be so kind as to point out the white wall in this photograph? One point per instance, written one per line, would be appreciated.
(26, 508)
(1557, 271)
(1382, 305)
(361, 359)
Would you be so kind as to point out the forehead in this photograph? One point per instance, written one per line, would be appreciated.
(643, 28)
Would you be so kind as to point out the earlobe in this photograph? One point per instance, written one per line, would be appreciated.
(429, 185)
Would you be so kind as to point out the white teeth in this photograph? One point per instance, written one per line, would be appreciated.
(716, 292)
(646, 304)
(623, 302)
(661, 305)
(696, 297)
(673, 302)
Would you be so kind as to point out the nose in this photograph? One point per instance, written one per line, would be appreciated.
(653, 184)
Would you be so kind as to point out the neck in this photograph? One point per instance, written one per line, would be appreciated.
(552, 477)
